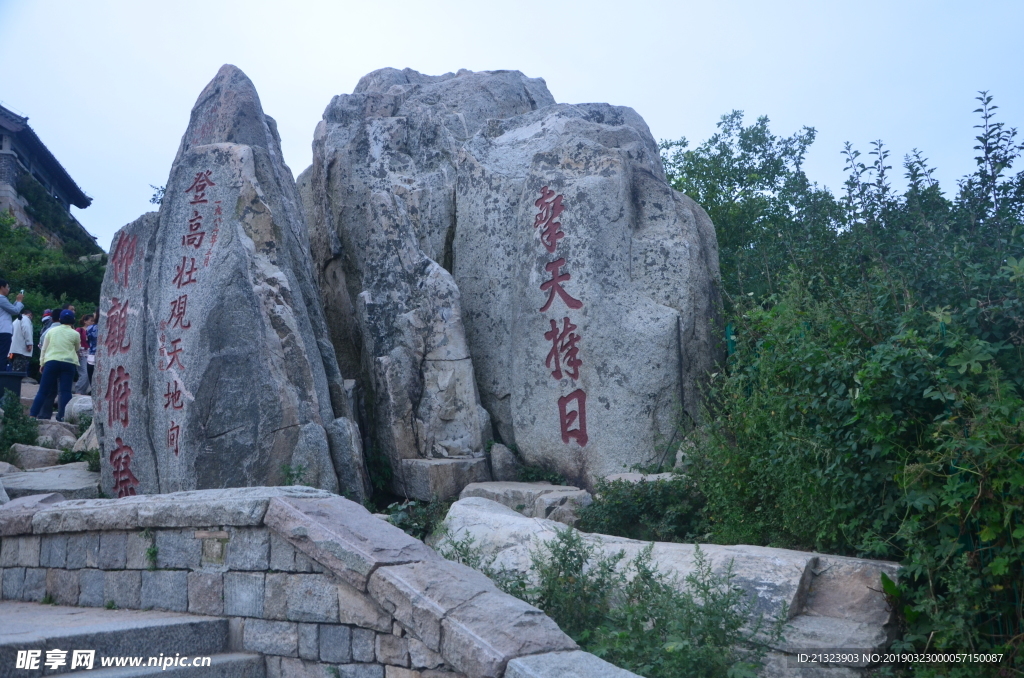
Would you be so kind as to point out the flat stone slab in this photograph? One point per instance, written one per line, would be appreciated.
(640, 477)
(74, 481)
(235, 506)
(343, 536)
(16, 515)
(564, 665)
(6, 468)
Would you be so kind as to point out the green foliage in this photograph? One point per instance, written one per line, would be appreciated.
(378, 467)
(294, 475)
(91, 456)
(18, 427)
(84, 422)
(661, 510)
(631, 614)
(110, 605)
(539, 474)
(418, 518)
(872, 402)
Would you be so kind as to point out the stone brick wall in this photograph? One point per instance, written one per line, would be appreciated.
(308, 579)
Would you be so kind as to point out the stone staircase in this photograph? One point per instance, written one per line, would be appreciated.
(120, 633)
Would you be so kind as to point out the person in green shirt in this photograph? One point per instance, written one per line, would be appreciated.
(59, 365)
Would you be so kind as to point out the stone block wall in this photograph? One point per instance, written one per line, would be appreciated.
(309, 580)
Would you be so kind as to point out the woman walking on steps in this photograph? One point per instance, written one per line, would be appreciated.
(59, 364)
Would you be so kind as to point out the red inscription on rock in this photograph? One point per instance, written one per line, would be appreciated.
(122, 257)
(178, 308)
(116, 339)
(550, 207)
(172, 437)
(172, 398)
(564, 350)
(125, 481)
(554, 286)
(118, 391)
(185, 272)
(199, 186)
(569, 417)
(173, 355)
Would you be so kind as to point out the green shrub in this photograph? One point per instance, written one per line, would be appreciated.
(660, 510)
(91, 456)
(18, 427)
(418, 518)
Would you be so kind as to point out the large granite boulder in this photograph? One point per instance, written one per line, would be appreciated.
(382, 201)
(590, 288)
(213, 367)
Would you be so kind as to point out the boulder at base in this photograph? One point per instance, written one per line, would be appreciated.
(213, 367)
(590, 288)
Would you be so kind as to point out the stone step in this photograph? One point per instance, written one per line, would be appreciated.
(74, 481)
(228, 665)
(31, 626)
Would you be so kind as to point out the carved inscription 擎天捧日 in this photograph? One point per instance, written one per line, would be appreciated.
(171, 358)
(563, 359)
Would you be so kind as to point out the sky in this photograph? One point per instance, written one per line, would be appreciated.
(108, 85)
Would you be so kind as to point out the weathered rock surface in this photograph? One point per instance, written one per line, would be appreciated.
(73, 481)
(88, 440)
(214, 368)
(589, 287)
(57, 435)
(8, 468)
(33, 456)
(382, 194)
(505, 466)
(4, 498)
(559, 503)
(78, 406)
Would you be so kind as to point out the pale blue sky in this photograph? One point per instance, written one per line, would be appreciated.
(108, 85)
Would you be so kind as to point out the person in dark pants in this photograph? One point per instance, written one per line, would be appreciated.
(59, 362)
(7, 313)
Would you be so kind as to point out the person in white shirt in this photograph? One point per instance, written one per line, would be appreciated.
(7, 313)
(21, 342)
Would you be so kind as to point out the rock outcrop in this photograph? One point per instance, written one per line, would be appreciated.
(382, 195)
(213, 367)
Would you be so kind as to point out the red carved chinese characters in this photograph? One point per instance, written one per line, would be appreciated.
(185, 273)
(567, 417)
(563, 359)
(554, 286)
(199, 186)
(173, 433)
(174, 355)
(125, 482)
(550, 207)
(122, 257)
(172, 398)
(563, 343)
(118, 391)
(178, 308)
(116, 339)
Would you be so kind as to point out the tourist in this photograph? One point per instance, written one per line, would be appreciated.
(82, 385)
(92, 335)
(21, 342)
(46, 322)
(7, 313)
(59, 364)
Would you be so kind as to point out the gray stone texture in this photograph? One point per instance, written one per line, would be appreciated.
(113, 550)
(16, 516)
(124, 589)
(344, 536)
(136, 546)
(83, 550)
(13, 583)
(505, 465)
(381, 195)
(165, 590)
(238, 412)
(430, 479)
(91, 584)
(206, 593)
(178, 549)
(248, 549)
(34, 584)
(363, 649)
(391, 649)
(32, 456)
(271, 637)
(88, 440)
(641, 261)
(564, 665)
(422, 657)
(359, 609)
(309, 641)
(62, 585)
(243, 594)
(534, 500)
(335, 643)
(311, 598)
(53, 550)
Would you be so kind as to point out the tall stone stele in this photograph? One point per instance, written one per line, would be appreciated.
(214, 368)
